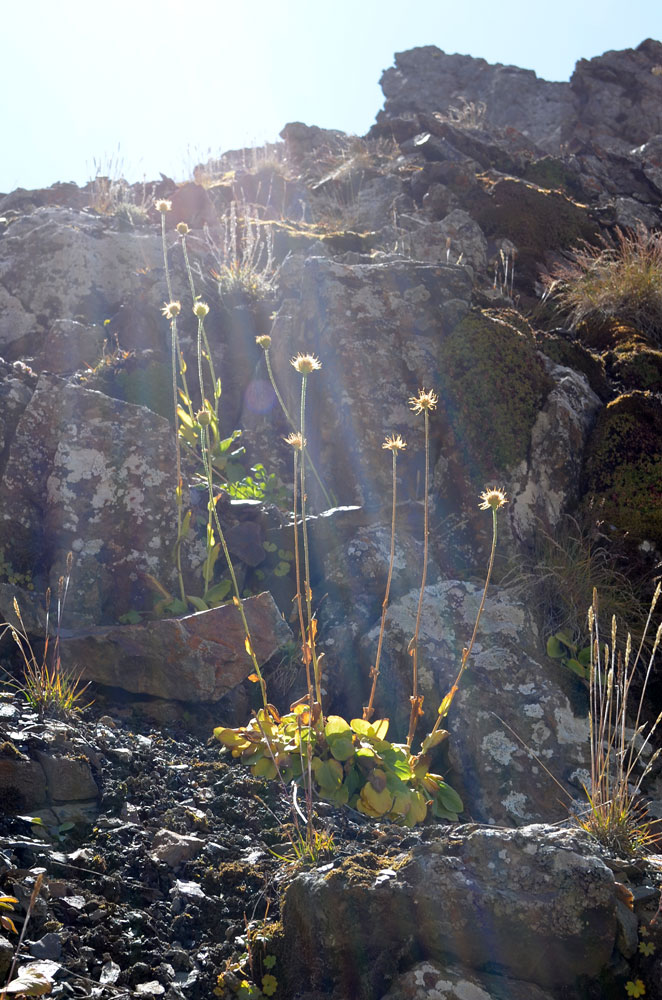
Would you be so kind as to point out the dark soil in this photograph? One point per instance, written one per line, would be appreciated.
(116, 918)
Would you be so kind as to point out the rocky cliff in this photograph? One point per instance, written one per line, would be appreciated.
(459, 246)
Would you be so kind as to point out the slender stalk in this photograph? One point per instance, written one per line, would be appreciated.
(311, 624)
(290, 421)
(237, 597)
(297, 568)
(416, 699)
(394, 444)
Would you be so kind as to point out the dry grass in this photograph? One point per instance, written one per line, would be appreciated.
(566, 567)
(621, 740)
(46, 686)
(620, 280)
(244, 253)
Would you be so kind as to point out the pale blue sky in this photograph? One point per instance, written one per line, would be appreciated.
(167, 80)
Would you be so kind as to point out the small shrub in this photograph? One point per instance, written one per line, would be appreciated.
(619, 280)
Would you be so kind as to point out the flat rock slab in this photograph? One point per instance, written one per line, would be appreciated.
(198, 658)
(533, 904)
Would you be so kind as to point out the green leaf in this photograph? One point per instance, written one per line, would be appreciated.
(282, 569)
(341, 745)
(448, 798)
(576, 667)
(197, 603)
(328, 774)
(555, 649)
(335, 725)
(269, 546)
(264, 768)
(218, 592)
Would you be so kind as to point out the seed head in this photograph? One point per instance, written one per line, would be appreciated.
(171, 309)
(203, 417)
(264, 341)
(426, 400)
(394, 443)
(295, 440)
(182, 229)
(162, 205)
(493, 498)
(200, 309)
(305, 364)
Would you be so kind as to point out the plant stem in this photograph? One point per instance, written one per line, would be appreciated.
(416, 699)
(310, 635)
(237, 597)
(313, 469)
(369, 710)
(466, 652)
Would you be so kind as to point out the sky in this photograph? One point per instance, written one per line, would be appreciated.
(137, 87)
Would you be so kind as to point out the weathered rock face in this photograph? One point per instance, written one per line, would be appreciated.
(617, 96)
(614, 98)
(59, 264)
(508, 711)
(427, 79)
(533, 904)
(376, 329)
(452, 982)
(92, 476)
(197, 658)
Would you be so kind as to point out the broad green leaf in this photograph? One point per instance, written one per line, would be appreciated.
(230, 737)
(373, 803)
(218, 592)
(328, 774)
(264, 768)
(448, 798)
(341, 745)
(197, 603)
(335, 724)
(555, 649)
(576, 667)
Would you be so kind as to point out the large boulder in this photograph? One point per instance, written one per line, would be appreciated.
(513, 730)
(534, 904)
(62, 264)
(197, 658)
(96, 477)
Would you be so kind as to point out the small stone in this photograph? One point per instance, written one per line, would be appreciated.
(109, 973)
(49, 946)
(152, 988)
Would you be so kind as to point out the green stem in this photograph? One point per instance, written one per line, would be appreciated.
(313, 469)
(368, 711)
(237, 597)
(306, 558)
(416, 700)
(466, 652)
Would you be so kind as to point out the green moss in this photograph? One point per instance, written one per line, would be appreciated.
(492, 384)
(537, 221)
(145, 384)
(623, 469)
(552, 173)
(572, 354)
(639, 369)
